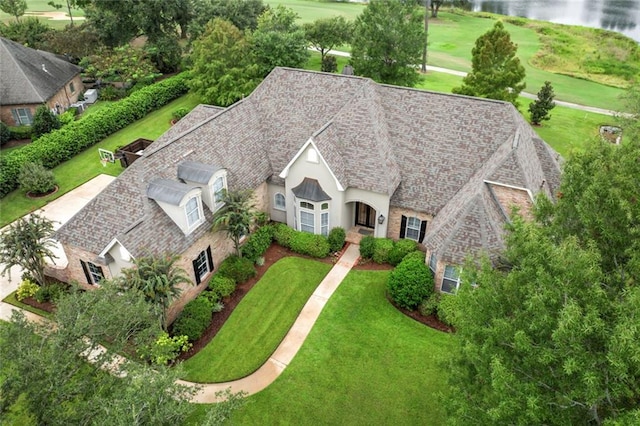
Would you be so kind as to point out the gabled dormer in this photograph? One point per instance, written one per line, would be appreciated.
(181, 202)
(210, 179)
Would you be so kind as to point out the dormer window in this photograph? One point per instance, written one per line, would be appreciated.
(209, 178)
(192, 210)
(218, 186)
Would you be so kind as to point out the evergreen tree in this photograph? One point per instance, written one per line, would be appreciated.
(539, 109)
(44, 121)
(496, 72)
(388, 39)
(235, 217)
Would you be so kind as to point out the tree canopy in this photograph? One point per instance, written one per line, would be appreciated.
(14, 7)
(325, 34)
(553, 337)
(224, 69)
(243, 14)
(387, 43)
(496, 71)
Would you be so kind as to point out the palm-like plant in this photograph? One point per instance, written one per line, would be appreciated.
(158, 278)
(236, 216)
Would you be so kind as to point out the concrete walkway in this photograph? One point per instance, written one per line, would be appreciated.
(292, 342)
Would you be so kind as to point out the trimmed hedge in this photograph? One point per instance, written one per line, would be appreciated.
(367, 246)
(382, 248)
(313, 245)
(60, 145)
(258, 243)
(194, 319)
(221, 286)
(283, 234)
(336, 238)
(239, 269)
(400, 249)
(410, 282)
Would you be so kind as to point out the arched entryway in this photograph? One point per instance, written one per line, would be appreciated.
(365, 215)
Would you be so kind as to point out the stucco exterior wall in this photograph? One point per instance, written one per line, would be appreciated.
(276, 215)
(395, 219)
(380, 202)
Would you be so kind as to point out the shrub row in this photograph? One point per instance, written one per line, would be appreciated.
(444, 306)
(194, 318)
(410, 283)
(304, 243)
(239, 269)
(385, 250)
(258, 243)
(60, 145)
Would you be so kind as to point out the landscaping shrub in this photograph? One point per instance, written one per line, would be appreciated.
(400, 249)
(310, 244)
(336, 238)
(194, 319)
(36, 179)
(381, 250)
(5, 133)
(48, 293)
(239, 269)
(367, 246)
(283, 234)
(221, 286)
(410, 282)
(164, 349)
(20, 132)
(110, 93)
(68, 117)
(27, 288)
(44, 121)
(447, 308)
(258, 243)
(60, 145)
(179, 113)
(429, 306)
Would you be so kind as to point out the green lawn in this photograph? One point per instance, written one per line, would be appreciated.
(310, 10)
(259, 323)
(86, 165)
(363, 363)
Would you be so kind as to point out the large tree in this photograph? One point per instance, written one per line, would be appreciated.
(278, 41)
(496, 71)
(224, 69)
(324, 34)
(241, 13)
(27, 243)
(14, 7)
(552, 337)
(387, 43)
(121, 64)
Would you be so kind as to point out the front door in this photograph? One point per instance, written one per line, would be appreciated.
(365, 215)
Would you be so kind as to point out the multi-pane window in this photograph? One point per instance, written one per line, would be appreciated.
(201, 265)
(433, 262)
(22, 116)
(450, 280)
(306, 205)
(412, 231)
(218, 186)
(280, 203)
(92, 272)
(72, 88)
(324, 224)
(193, 211)
(307, 222)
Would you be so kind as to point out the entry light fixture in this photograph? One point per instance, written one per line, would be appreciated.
(381, 219)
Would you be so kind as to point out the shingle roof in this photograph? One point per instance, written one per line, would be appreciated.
(29, 76)
(194, 171)
(431, 152)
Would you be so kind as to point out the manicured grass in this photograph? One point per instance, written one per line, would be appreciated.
(314, 62)
(86, 165)
(310, 10)
(259, 323)
(363, 363)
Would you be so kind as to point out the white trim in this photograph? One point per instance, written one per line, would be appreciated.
(512, 187)
(275, 204)
(200, 219)
(285, 172)
(457, 280)
(110, 246)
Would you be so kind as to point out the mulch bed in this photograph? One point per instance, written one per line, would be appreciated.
(273, 254)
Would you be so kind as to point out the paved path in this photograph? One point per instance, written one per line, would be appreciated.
(294, 339)
(65, 207)
(523, 94)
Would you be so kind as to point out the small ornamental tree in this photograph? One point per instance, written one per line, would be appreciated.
(14, 7)
(26, 243)
(539, 109)
(496, 72)
(44, 121)
(235, 217)
(324, 34)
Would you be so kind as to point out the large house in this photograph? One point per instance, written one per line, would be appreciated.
(319, 151)
(30, 78)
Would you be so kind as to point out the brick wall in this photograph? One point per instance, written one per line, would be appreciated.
(74, 270)
(395, 219)
(510, 197)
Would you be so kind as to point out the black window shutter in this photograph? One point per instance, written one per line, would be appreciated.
(86, 272)
(423, 230)
(195, 271)
(210, 259)
(403, 226)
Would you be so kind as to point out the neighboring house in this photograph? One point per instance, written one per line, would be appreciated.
(30, 78)
(319, 151)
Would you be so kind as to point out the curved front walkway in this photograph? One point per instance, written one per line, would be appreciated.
(292, 342)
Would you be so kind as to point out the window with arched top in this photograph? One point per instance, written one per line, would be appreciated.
(279, 201)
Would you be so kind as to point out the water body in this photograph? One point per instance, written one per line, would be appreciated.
(622, 16)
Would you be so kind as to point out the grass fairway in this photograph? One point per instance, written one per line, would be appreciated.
(259, 323)
(86, 165)
(364, 363)
(310, 10)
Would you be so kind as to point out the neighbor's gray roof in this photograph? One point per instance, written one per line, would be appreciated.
(29, 76)
(194, 171)
(168, 191)
(431, 152)
(310, 189)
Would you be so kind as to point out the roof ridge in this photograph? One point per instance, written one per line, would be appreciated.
(20, 68)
